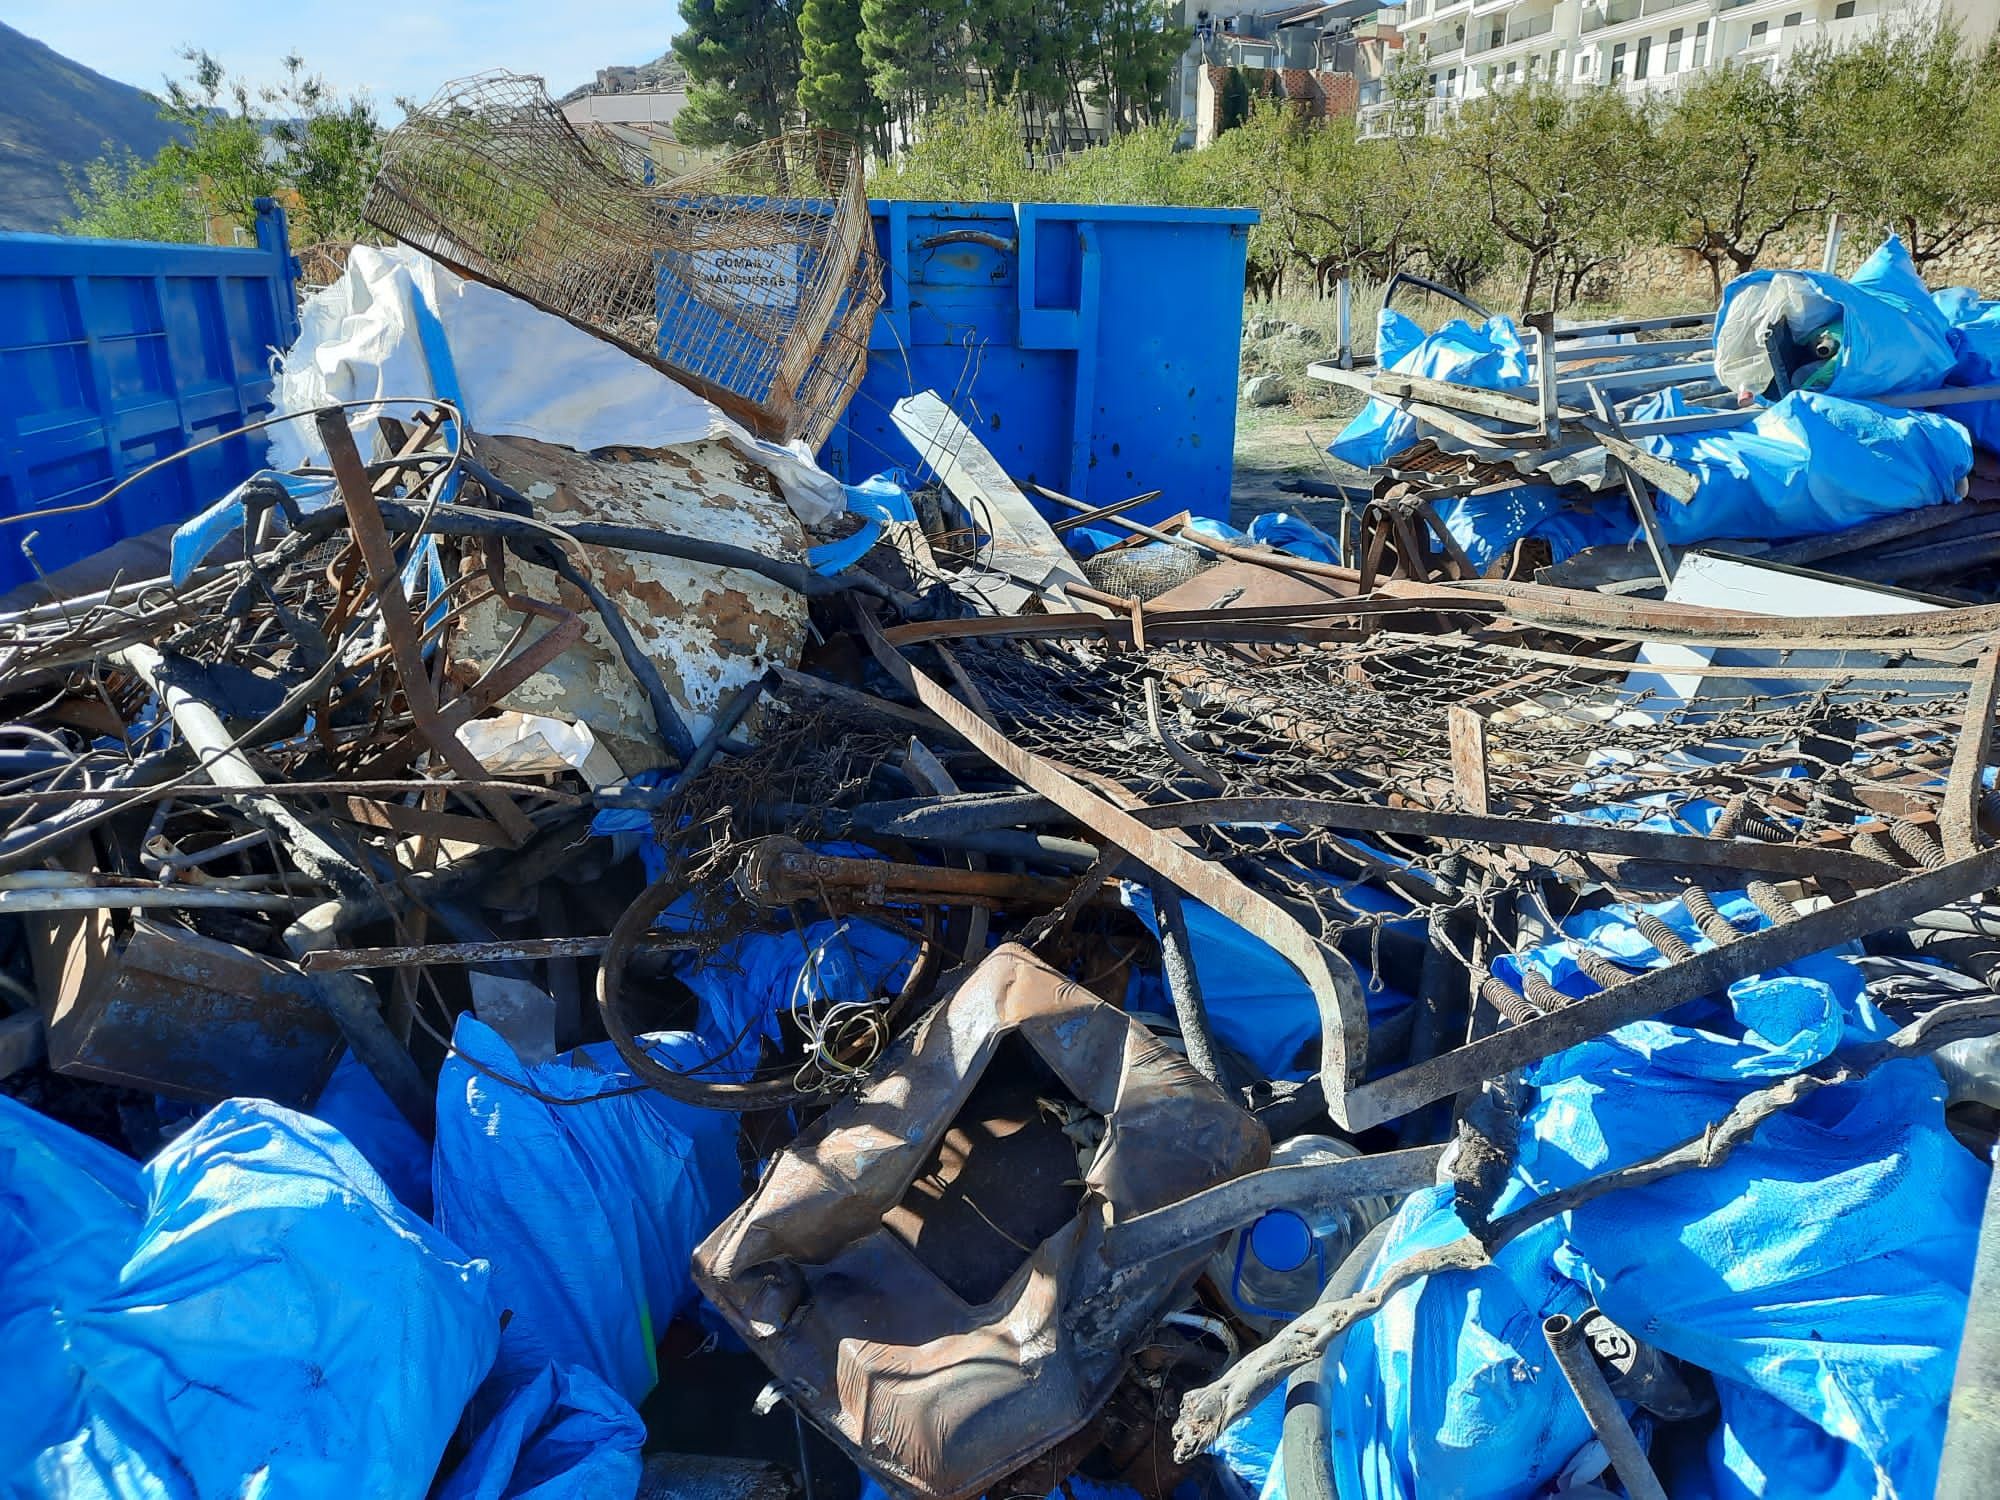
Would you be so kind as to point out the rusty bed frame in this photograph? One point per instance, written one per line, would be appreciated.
(1886, 830)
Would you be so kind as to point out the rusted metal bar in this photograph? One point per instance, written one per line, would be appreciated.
(1805, 861)
(416, 955)
(364, 517)
(1965, 788)
(1468, 757)
(779, 871)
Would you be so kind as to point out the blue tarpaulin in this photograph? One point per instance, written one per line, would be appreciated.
(588, 1211)
(1876, 334)
(563, 1435)
(1820, 1271)
(1489, 356)
(251, 1313)
(1807, 465)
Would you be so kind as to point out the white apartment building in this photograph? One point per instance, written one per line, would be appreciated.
(1473, 46)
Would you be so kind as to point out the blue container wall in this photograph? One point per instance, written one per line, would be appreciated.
(114, 353)
(1093, 348)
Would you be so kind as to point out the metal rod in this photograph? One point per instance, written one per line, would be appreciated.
(92, 898)
(1607, 1419)
(1307, 1188)
(1177, 963)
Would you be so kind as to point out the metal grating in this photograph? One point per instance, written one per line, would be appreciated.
(754, 281)
(1472, 790)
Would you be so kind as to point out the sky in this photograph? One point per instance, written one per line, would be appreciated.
(387, 47)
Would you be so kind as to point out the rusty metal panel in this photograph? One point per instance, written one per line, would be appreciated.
(708, 630)
(924, 1268)
(168, 1010)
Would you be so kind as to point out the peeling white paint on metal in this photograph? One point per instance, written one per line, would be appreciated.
(709, 630)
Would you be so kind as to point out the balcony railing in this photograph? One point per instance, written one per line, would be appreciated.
(1522, 31)
(1404, 117)
(1612, 13)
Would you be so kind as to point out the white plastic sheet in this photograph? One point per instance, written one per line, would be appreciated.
(517, 371)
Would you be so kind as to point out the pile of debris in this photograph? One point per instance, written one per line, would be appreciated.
(1080, 1007)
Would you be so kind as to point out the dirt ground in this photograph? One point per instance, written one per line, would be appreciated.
(1280, 444)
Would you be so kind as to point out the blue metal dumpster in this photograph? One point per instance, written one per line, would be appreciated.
(1092, 347)
(114, 353)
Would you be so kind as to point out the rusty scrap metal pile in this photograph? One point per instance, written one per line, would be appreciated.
(1436, 1037)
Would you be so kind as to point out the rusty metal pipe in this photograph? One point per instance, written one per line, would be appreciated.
(779, 871)
(1607, 1419)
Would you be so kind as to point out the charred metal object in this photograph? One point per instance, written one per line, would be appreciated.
(924, 1269)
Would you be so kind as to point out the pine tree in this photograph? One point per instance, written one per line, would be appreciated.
(833, 80)
(917, 53)
(742, 59)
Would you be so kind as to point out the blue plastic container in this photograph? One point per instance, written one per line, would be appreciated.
(114, 353)
(1092, 348)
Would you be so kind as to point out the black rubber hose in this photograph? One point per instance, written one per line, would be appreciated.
(465, 521)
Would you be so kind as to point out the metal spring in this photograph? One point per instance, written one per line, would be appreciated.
(1873, 846)
(1917, 843)
(1503, 999)
(1717, 928)
(1545, 996)
(1740, 818)
(1673, 947)
(1770, 903)
(1599, 968)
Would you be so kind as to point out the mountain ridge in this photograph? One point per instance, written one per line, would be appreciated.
(57, 113)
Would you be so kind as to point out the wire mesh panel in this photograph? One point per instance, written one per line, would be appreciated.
(754, 281)
(1472, 792)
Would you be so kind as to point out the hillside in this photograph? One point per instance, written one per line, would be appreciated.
(663, 72)
(56, 113)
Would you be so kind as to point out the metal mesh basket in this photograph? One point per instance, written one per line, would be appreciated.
(754, 281)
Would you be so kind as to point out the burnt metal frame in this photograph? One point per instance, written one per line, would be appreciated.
(1355, 1102)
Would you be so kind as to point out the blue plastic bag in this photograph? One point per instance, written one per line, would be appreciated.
(1975, 343)
(250, 1313)
(564, 1435)
(1820, 1271)
(1808, 465)
(1489, 356)
(353, 1104)
(1889, 336)
(587, 1211)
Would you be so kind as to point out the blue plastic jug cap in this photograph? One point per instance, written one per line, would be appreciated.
(1282, 1240)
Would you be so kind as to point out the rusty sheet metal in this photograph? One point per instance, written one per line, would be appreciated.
(167, 1010)
(943, 1356)
(710, 631)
